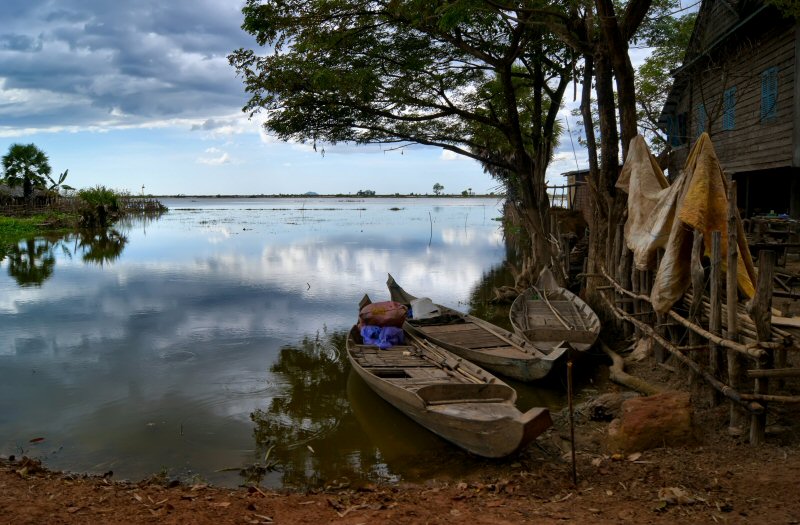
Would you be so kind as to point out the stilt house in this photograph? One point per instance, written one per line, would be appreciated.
(738, 82)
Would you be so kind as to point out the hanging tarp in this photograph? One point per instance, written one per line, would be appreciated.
(651, 204)
(667, 217)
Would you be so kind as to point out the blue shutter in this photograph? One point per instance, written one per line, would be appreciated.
(671, 131)
(729, 111)
(769, 93)
(702, 118)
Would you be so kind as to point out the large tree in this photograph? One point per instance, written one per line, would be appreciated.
(603, 38)
(26, 165)
(481, 79)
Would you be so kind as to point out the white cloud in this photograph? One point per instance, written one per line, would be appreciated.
(224, 158)
(448, 155)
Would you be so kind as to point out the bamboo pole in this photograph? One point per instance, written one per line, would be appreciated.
(658, 352)
(774, 372)
(726, 390)
(773, 398)
(745, 322)
(715, 309)
(752, 352)
(637, 304)
(698, 287)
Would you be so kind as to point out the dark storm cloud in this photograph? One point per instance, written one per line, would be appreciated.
(75, 62)
(20, 43)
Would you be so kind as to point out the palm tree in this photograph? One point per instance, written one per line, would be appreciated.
(27, 165)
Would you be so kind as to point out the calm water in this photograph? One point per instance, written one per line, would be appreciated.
(208, 344)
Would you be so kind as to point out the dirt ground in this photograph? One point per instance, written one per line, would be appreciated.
(720, 479)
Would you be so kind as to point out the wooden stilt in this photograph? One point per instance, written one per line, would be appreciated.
(732, 296)
(761, 312)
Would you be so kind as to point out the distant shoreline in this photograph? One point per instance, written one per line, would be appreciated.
(336, 196)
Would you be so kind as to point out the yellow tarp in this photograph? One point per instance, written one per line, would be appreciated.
(666, 216)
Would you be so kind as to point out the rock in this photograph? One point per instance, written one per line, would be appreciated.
(651, 422)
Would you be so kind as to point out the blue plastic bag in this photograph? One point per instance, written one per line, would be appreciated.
(382, 336)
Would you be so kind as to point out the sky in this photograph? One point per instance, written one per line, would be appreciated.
(139, 96)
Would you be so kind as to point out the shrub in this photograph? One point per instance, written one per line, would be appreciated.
(99, 205)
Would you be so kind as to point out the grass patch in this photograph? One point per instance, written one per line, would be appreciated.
(14, 229)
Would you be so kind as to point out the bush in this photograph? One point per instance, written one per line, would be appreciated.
(99, 205)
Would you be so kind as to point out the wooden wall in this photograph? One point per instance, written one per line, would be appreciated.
(752, 144)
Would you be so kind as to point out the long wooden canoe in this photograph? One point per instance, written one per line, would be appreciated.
(449, 396)
(548, 315)
(485, 344)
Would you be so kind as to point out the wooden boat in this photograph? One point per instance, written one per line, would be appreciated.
(449, 396)
(548, 316)
(481, 342)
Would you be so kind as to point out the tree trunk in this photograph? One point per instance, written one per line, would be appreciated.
(533, 212)
(608, 208)
(27, 191)
(623, 69)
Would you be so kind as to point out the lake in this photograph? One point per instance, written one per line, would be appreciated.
(208, 344)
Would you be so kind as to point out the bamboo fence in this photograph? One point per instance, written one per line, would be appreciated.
(732, 347)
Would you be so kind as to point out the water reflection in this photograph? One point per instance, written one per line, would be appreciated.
(191, 343)
(301, 422)
(101, 246)
(32, 261)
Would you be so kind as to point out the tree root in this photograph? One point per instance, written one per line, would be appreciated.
(618, 375)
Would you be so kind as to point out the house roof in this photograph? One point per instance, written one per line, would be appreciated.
(7, 190)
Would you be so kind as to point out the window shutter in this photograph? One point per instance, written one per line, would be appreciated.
(672, 132)
(702, 117)
(729, 114)
(769, 93)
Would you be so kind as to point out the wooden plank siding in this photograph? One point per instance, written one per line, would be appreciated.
(796, 104)
(752, 144)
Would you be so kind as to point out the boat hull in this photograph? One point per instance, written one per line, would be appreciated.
(470, 408)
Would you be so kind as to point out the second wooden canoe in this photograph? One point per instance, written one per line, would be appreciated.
(548, 315)
(481, 342)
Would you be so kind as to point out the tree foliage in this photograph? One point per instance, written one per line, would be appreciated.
(789, 8)
(26, 165)
(669, 37)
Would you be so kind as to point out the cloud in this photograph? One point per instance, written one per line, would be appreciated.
(145, 60)
(217, 160)
(448, 155)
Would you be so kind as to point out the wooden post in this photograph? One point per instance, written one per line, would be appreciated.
(625, 270)
(619, 242)
(761, 313)
(659, 352)
(732, 296)
(715, 314)
(610, 240)
(637, 304)
(698, 287)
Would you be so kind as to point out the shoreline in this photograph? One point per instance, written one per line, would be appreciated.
(320, 196)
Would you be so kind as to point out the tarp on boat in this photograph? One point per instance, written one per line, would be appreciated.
(662, 216)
